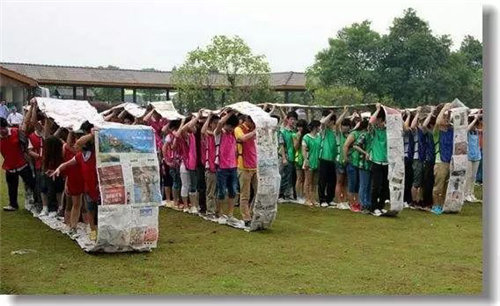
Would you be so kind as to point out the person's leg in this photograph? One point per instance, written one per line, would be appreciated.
(408, 181)
(479, 176)
(385, 192)
(167, 184)
(352, 184)
(210, 191)
(68, 205)
(193, 189)
(299, 185)
(364, 188)
(427, 184)
(323, 181)
(475, 168)
(12, 180)
(29, 181)
(176, 185)
(254, 185)
(245, 179)
(446, 170)
(231, 183)
(51, 194)
(340, 186)
(202, 189)
(314, 185)
(185, 184)
(285, 180)
(307, 186)
(439, 180)
(76, 201)
(221, 191)
(376, 189)
(331, 182)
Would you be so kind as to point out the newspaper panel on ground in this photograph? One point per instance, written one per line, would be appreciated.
(129, 182)
(395, 156)
(128, 176)
(458, 166)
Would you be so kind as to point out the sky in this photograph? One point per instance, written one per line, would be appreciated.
(154, 34)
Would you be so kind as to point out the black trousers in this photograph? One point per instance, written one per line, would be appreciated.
(12, 179)
(408, 180)
(428, 184)
(326, 181)
(202, 189)
(380, 186)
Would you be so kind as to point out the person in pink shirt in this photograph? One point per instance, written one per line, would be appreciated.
(189, 174)
(157, 122)
(227, 175)
(208, 158)
(172, 161)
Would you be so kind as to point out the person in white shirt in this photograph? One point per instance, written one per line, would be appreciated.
(15, 118)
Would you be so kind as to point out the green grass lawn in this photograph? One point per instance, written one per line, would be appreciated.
(308, 251)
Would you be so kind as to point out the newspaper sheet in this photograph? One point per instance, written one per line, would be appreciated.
(167, 110)
(131, 108)
(395, 156)
(455, 192)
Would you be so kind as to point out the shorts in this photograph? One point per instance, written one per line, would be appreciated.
(167, 180)
(340, 168)
(91, 204)
(227, 179)
(418, 173)
(352, 178)
(176, 178)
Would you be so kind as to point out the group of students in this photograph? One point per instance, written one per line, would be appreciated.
(343, 162)
(208, 161)
(57, 165)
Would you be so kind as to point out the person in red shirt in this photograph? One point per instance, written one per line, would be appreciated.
(15, 163)
(86, 160)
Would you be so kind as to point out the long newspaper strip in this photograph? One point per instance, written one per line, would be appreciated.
(167, 110)
(128, 214)
(132, 108)
(458, 167)
(395, 156)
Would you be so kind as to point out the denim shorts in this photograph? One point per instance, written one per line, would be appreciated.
(226, 180)
(340, 168)
(352, 178)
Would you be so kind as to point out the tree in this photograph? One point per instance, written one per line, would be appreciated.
(338, 95)
(412, 60)
(351, 59)
(225, 71)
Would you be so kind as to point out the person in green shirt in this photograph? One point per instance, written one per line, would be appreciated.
(341, 165)
(288, 156)
(311, 145)
(378, 157)
(299, 159)
(360, 158)
(327, 178)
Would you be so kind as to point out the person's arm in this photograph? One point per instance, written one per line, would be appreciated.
(58, 131)
(47, 127)
(27, 123)
(189, 125)
(204, 128)
(178, 133)
(61, 168)
(473, 123)
(296, 141)
(374, 116)
(341, 118)
(348, 142)
(222, 121)
(305, 154)
(247, 136)
(149, 115)
(82, 141)
(425, 125)
(324, 121)
(406, 123)
(414, 122)
(440, 117)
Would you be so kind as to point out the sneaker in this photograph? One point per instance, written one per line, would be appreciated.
(193, 210)
(52, 214)
(383, 211)
(343, 206)
(72, 232)
(332, 204)
(356, 208)
(222, 219)
(45, 212)
(377, 213)
(365, 212)
(324, 204)
(93, 235)
(9, 208)
(437, 210)
(405, 205)
(301, 201)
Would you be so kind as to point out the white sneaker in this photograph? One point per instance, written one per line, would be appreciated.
(383, 211)
(377, 213)
(332, 204)
(45, 212)
(324, 204)
(9, 208)
(301, 201)
(343, 206)
(222, 219)
(405, 205)
(52, 214)
(193, 210)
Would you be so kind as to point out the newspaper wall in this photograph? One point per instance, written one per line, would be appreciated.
(455, 192)
(266, 199)
(131, 108)
(129, 183)
(395, 156)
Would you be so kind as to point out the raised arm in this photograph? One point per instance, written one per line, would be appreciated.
(425, 125)
(373, 118)
(222, 121)
(473, 123)
(348, 142)
(149, 115)
(440, 117)
(325, 120)
(406, 123)
(82, 141)
(204, 128)
(341, 118)
(414, 123)
(27, 123)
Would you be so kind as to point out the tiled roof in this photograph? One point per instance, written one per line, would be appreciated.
(90, 76)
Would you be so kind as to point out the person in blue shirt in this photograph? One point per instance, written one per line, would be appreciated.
(474, 157)
(4, 110)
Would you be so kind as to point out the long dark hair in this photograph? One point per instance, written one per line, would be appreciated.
(52, 155)
(302, 124)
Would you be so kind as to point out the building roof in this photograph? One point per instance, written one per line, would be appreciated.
(90, 76)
